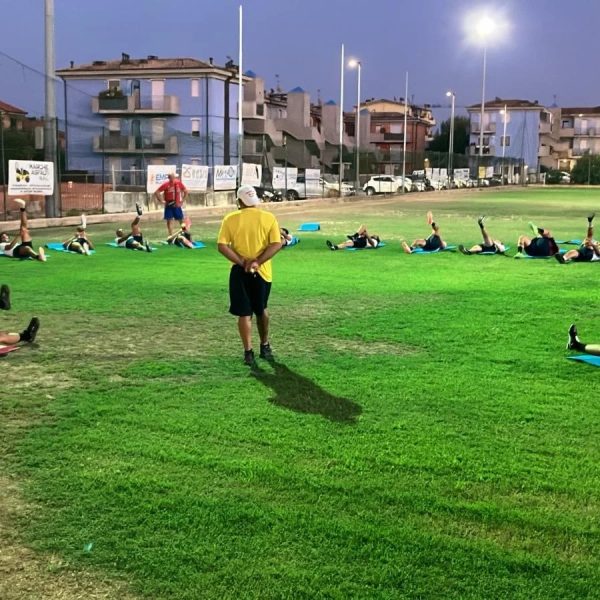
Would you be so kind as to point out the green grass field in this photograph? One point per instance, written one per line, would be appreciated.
(421, 436)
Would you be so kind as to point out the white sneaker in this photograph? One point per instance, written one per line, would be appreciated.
(20, 202)
(83, 221)
(41, 254)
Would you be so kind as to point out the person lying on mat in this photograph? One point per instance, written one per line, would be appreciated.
(432, 243)
(27, 335)
(134, 240)
(575, 343)
(79, 242)
(489, 245)
(589, 251)
(12, 249)
(182, 238)
(541, 245)
(286, 237)
(361, 239)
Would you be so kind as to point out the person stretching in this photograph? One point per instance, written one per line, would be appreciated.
(134, 240)
(489, 245)
(361, 239)
(589, 251)
(541, 245)
(27, 335)
(432, 243)
(25, 248)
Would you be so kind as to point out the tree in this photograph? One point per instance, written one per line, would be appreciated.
(441, 140)
(587, 170)
(19, 145)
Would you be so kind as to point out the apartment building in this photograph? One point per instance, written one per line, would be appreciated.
(516, 134)
(578, 134)
(124, 114)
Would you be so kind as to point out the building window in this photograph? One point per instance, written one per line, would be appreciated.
(195, 161)
(505, 140)
(113, 126)
(114, 85)
(566, 124)
(195, 127)
(195, 88)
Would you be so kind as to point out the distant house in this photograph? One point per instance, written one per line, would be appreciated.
(12, 117)
(128, 113)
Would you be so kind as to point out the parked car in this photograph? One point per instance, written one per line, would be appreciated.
(331, 186)
(386, 184)
(317, 188)
(268, 194)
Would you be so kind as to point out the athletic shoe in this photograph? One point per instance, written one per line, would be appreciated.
(480, 221)
(573, 340)
(249, 359)
(519, 255)
(41, 254)
(83, 221)
(4, 297)
(30, 333)
(462, 249)
(560, 258)
(266, 353)
(330, 245)
(533, 228)
(20, 202)
(147, 246)
(138, 209)
(591, 217)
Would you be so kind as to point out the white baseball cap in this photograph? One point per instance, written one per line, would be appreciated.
(247, 194)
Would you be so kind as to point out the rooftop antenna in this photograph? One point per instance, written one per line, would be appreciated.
(555, 100)
(277, 82)
(319, 96)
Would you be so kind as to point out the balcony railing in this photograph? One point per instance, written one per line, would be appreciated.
(487, 128)
(587, 131)
(487, 150)
(130, 144)
(134, 104)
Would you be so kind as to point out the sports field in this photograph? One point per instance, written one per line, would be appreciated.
(421, 435)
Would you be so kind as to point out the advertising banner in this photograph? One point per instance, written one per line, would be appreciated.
(225, 177)
(157, 175)
(194, 177)
(30, 177)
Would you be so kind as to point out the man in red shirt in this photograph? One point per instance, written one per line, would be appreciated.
(173, 194)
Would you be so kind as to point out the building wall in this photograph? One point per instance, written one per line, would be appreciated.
(207, 147)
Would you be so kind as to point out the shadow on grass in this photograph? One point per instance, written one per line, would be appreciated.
(298, 393)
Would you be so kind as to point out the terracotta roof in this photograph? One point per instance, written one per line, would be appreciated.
(9, 108)
(149, 63)
(582, 110)
(509, 103)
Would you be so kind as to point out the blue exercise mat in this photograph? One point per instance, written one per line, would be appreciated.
(380, 245)
(196, 245)
(587, 358)
(60, 248)
(571, 242)
(115, 245)
(309, 227)
(421, 251)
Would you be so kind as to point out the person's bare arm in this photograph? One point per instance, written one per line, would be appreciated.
(269, 252)
(123, 238)
(13, 243)
(231, 254)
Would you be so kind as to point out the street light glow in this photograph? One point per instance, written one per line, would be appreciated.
(449, 93)
(353, 63)
(483, 28)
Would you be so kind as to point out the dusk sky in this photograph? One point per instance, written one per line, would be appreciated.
(551, 47)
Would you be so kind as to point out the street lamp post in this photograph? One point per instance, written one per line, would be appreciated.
(482, 115)
(404, 134)
(504, 114)
(452, 95)
(286, 164)
(341, 164)
(356, 63)
(3, 161)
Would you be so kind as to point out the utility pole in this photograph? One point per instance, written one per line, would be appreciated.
(50, 143)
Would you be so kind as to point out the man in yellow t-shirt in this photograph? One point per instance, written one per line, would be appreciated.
(250, 238)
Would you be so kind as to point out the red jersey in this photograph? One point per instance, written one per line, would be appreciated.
(172, 191)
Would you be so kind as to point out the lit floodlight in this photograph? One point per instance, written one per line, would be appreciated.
(353, 63)
(449, 93)
(483, 28)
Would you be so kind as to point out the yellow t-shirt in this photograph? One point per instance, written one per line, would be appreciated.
(248, 232)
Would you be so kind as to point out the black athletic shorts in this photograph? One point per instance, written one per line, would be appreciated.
(360, 242)
(433, 242)
(491, 248)
(134, 238)
(248, 293)
(585, 254)
(539, 246)
(16, 252)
